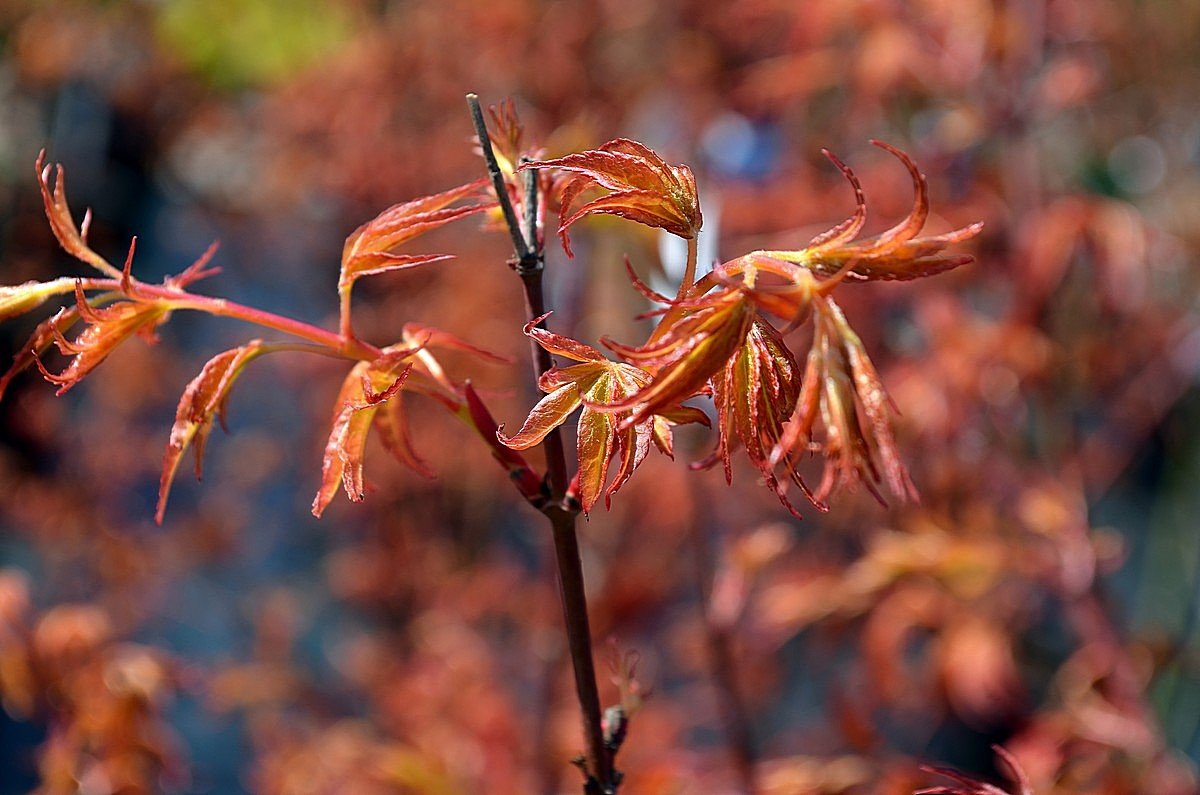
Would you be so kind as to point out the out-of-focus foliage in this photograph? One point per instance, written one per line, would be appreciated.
(236, 44)
(1042, 595)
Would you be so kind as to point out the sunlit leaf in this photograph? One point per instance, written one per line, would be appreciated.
(603, 436)
(895, 255)
(368, 250)
(642, 187)
(72, 239)
(685, 352)
(368, 386)
(107, 327)
(203, 400)
(21, 298)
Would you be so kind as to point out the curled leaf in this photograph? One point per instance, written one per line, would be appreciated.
(72, 239)
(39, 341)
(203, 400)
(685, 351)
(843, 411)
(368, 386)
(754, 395)
(605, 438)
(107, 327)
(895, 255)
(641, 187)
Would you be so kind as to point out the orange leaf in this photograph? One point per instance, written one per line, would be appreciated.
(550, 412)
(559, 345)
(418, 335)
(603, 435)
(367, 250)
(643, 188)
(685, 352)
(203, 400)
(39, 341)
(399, 224)
(107, 328)
(596, 441)
(73, 240)
(368, 387)
(895, 255)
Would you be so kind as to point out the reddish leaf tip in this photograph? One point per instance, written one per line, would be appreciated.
(528, 328)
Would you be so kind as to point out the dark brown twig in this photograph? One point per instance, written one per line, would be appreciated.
(520, 245)
(602, 779)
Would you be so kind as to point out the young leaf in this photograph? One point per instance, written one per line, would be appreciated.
(107, 327)
(897, 254)
(203, 400)
(368, 386)
(368, 250)
(843, 391)
(39, 341)
(73, 240)
(642, 187)
(21, 298)
(603, 436)
(754, 395)
(685, 351)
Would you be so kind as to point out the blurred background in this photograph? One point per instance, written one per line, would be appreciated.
(1043, 595)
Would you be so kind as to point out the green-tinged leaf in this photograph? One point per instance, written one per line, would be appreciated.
(603, 436)
(596, 434)
(633, 445)
(21, 298)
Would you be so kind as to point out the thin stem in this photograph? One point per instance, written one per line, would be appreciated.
(556, 454)
(300, 347)
(531, 210)
(579, 641)
(180, 299)
(689, 271)
(345, 326)
(352, 348)
(601, 778)
(485, 143)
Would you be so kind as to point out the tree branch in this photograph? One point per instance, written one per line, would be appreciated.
(562, 513)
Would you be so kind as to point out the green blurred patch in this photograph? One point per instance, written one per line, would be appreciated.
(239, 43)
